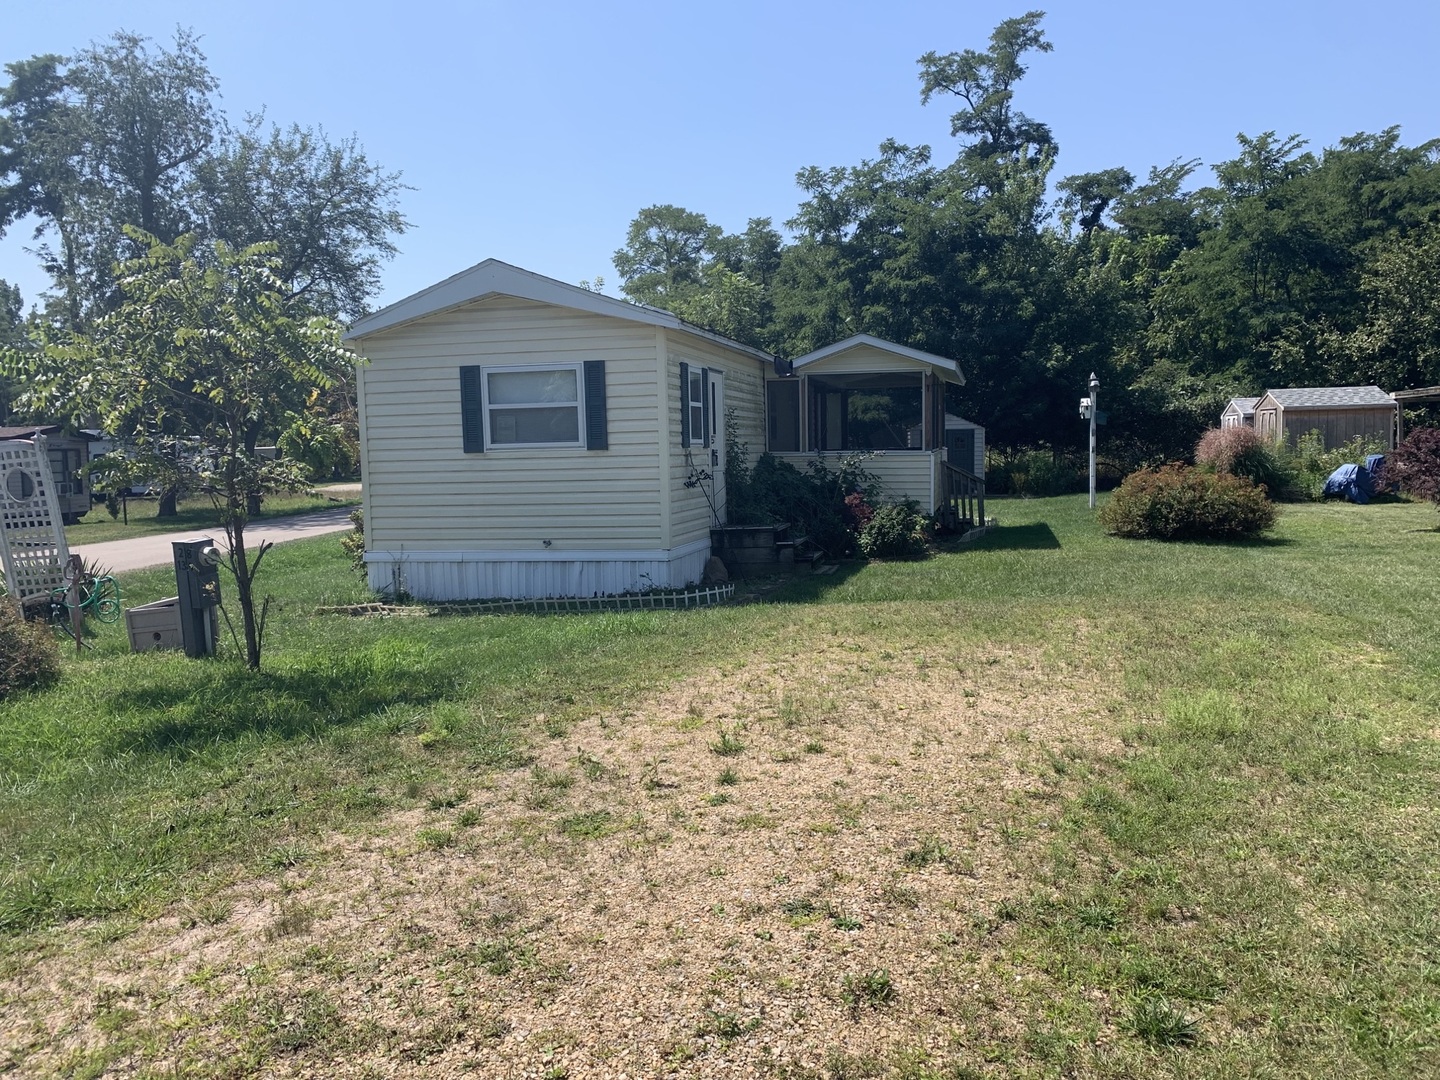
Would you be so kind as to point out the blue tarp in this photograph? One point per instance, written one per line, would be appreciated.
(1350, 482)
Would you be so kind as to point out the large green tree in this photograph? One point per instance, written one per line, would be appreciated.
(128, 133)
(203, 353)
(331, 212)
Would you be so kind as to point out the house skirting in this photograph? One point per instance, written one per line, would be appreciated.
(529, 575)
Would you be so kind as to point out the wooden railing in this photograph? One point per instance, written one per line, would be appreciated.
(962, 498)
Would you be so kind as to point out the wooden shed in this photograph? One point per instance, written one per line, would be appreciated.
(1339, 413)
(1239, 412)
(521, 437)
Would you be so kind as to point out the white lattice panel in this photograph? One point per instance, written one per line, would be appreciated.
(33, 552)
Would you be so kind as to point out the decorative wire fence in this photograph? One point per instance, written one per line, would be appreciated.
(701, 596)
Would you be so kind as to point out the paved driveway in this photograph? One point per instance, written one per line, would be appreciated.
(120, 555)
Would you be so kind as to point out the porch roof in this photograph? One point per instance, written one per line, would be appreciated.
(946, 368)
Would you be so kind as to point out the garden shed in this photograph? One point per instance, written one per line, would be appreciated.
(1239, 412)
(1339, 413)
(521, 437)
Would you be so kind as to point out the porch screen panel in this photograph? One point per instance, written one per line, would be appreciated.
(782, 420)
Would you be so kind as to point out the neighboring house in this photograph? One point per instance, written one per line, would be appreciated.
(521, 437)
(865, 394)
(69, 458)
(1240, 412)
(1339, 413)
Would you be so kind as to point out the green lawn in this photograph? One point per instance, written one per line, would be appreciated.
(1249, 886)
(98, 526)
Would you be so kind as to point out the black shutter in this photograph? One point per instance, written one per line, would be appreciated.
(684, 404)
(705, 403)
(597, 432)
(472, 409)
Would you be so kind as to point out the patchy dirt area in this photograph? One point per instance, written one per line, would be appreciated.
(796, 867)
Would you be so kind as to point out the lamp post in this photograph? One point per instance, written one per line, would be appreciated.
(1094, 418)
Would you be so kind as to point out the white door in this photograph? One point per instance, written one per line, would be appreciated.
(717, 443)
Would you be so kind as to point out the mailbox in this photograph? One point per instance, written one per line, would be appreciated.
(197, 583)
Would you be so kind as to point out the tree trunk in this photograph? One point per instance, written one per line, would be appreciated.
(168, 500)
(243, 586)
(252, 505)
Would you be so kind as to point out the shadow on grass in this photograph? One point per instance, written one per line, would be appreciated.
(811, 588)
(228, 702)
(1036, 537)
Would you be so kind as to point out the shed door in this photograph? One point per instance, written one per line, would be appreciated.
(960, 448)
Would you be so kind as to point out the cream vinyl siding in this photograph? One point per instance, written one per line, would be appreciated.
(744, 385)
(423, 492)
(861, 360)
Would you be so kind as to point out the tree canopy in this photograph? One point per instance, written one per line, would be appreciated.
(128, 132)
(1292, 266)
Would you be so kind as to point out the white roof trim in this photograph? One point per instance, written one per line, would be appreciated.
(495, 278)
(946, 365)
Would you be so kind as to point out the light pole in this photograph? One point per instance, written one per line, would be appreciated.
(1094, 419)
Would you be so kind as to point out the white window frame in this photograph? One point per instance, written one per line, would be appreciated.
(695, 402)
(578, 368)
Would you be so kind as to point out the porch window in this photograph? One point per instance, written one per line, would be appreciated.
(533, 406)
(782, 416)
(867, 412)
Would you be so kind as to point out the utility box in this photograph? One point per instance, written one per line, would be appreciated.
(154, 626)
(197, 579)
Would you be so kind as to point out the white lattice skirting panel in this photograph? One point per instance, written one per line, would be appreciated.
(33, 552)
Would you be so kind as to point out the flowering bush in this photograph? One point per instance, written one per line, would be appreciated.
(1181, 503)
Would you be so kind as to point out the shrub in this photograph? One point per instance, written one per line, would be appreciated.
(1311, 464)
(1036, 473)
(1176, 502)
(29, 654)
(897, 531)
(825, 504)
(352, 543)
(1415, 465)
(1239, 451)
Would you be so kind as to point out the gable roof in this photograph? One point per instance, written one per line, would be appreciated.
(1245, 406)
(945, 366)
(29, 432)
(495, 278)
(1330, 397)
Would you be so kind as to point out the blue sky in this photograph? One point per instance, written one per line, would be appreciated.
(533, 132)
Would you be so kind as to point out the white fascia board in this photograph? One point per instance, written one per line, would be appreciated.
(495, 278)
(944, 364)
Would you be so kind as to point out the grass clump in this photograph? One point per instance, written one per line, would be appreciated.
(1154, 1020)
(29, 653)
(591, 825)
(927, 852)
(872, 989)
(1180, 503)
(729, 744)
